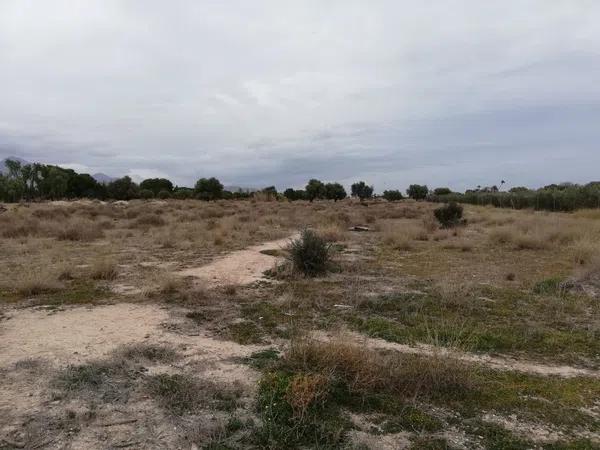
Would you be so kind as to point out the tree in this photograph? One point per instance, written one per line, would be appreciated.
(294, 194)
(417, 191)
(442, 191)
(335, 191)
(208, 189)
(362, 190)
(122, 189)
(315, 189)
(392, 196)
(156, 185)
(14, 168)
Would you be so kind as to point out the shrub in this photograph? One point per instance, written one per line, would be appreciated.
(310, 254)
(163, 194)
(449, 215)
(146, 193)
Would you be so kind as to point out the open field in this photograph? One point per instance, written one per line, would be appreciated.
(180, 324)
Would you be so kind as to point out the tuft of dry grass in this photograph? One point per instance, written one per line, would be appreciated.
(80, 230)
(104, 270)
(333, 232)
(149, 220)
(38, 282)
(364, 370)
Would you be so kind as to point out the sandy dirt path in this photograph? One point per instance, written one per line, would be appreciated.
(239, 267)
(79, 334)
(494, 362)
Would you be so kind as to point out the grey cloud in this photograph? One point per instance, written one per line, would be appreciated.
(460, 93)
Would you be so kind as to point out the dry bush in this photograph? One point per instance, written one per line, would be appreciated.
(430, 224)
(398, 239)
(149, 220)
(104, 270)
(18, 225)
(441, 235)
(304, 391)
(460, 244)
(585, 251)
(501, 235)
(52, 213)
(530, 241)
(80, 230)
(333, 233)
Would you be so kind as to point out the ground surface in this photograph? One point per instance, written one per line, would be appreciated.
(179, 324)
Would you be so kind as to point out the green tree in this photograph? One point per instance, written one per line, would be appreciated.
(392, 196)
(122, 189)
(442, 191)
(294, 194)
(156, 185)
(362, 190)
(417, 191)
(315, 189)
(335, 191)
(208, 189)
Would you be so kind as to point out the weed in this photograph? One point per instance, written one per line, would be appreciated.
(181, 394)
(149, 352)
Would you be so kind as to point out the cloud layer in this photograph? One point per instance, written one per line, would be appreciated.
(455, 93)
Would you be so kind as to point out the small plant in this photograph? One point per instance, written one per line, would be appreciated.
(310, 254)
(449, 215)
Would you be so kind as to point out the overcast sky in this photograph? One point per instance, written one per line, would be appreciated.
(456, 93)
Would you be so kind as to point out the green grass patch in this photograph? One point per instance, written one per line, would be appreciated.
(262, 359)
(181, 394)
(488, 319)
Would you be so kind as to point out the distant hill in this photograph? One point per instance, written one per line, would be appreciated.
(102, 178)
(4, 169)
(99, 177)
(240, 189)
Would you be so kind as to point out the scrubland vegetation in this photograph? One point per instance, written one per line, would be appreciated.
(440, 327)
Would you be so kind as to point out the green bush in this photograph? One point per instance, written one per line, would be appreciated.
(310, 254)
(163, 194)
(146, 193)
(449, 215)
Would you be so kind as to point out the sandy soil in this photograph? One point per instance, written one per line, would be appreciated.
(238, 268)
(80, 334)
(495, 362)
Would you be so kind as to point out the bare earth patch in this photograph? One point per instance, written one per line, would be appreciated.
(238, 268)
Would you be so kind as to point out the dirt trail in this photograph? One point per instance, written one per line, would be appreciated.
(494, 362)
(238, 268)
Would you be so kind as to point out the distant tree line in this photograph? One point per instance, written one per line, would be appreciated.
(554, 197)
(33, 182)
